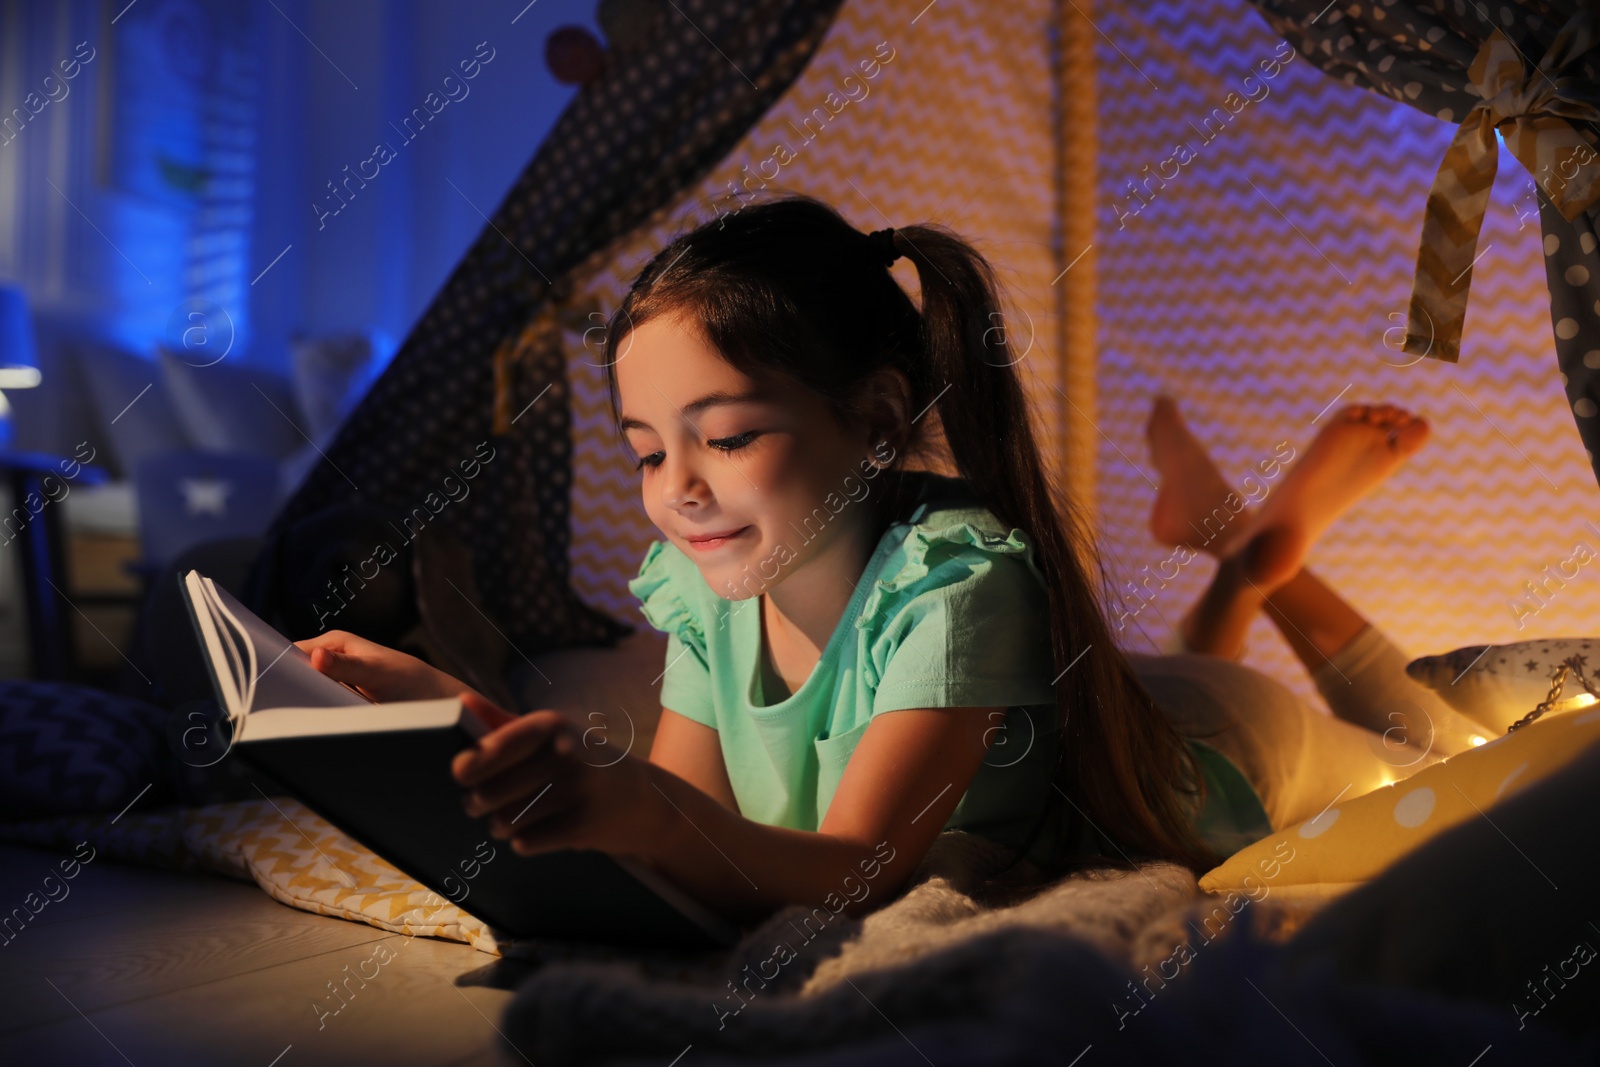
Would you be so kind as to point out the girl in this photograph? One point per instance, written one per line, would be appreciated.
(861, 654)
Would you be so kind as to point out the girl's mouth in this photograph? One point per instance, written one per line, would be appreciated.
(707, 542)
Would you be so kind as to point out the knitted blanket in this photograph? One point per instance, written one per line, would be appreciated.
(955, 945)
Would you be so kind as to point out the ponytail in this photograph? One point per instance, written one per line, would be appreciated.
(1120, 762)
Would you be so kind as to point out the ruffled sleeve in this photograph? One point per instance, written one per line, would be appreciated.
(958, 618)
(686, 681)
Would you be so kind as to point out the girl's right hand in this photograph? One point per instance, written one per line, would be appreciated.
(377, 672)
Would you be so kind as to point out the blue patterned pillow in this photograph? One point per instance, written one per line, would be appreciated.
(67, 748)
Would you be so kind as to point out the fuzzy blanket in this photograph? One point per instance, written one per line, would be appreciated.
(1127, 967)
(959, 943)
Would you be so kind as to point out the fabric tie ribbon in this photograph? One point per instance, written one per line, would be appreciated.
(1534, 111)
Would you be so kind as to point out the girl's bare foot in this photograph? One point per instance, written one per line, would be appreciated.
(1190, 506)
(1361, 447)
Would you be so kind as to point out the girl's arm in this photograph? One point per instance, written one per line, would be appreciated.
(693, 752)
(905, 777)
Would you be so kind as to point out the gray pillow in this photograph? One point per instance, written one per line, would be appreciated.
(229, 407)
(331, 374)
(1495, 685)
(130, 399)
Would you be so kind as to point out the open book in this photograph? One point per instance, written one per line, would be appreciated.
(381, 773)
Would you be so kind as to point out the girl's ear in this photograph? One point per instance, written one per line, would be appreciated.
(885, 404)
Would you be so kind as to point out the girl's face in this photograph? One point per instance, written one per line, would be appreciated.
(752, 479)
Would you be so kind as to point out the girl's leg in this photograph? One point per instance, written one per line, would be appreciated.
(1314, 620)
(1358, 670)
(1260, 555)
(1400, 726)
(1297, 759)
(1364, 681)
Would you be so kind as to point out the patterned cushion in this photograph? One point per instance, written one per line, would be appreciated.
(303, 861)
(293, 854)
(67, 748)
(1355, 840)
(1496, 685)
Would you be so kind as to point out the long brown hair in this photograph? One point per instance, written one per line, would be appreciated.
(788, 286)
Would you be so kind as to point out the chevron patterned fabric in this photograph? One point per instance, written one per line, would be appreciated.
(1527, 69)
(1266, 284)
(954, 126)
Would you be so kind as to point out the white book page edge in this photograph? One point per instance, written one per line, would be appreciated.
(222, 664)
(273, 724)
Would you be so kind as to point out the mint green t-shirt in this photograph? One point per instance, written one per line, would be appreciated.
(950, 611)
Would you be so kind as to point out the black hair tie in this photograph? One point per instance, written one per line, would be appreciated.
(882, 244)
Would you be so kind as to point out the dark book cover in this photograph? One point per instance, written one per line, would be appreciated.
(383, 777)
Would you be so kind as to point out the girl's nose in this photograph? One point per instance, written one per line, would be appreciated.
(683, 488)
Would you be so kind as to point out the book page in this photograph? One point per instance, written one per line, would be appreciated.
(284, 675)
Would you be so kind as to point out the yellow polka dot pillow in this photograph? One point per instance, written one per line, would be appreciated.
(1354, 840)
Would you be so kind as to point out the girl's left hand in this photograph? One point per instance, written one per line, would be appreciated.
(545, 790)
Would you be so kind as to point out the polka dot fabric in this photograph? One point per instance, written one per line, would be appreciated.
(1354, 839)
(626, 145)
(1419, 54)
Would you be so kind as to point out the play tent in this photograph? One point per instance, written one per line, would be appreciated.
(1261, 276)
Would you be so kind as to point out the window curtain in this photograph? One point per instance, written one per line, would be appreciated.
(1525, 70)
(480, 382)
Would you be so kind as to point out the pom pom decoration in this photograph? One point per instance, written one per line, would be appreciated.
(574, 56)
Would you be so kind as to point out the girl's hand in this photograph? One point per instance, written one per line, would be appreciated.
(377, 672)
(544, 789)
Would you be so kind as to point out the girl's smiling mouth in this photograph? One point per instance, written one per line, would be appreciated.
(707, 542)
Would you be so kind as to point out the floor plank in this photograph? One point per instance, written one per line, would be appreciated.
(99, 887)
(198, 969)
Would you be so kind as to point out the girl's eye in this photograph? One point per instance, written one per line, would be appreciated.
(734, 443)
(722, 444)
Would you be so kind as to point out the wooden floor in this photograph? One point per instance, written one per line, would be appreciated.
(144, 967)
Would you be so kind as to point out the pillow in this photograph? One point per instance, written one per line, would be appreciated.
(67, 749)
(294, 855)
(330, 375)
(233, 408)
(1354, 840)
(1495, 685)
(129, 389)
(1445, 920)
(303, 861)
